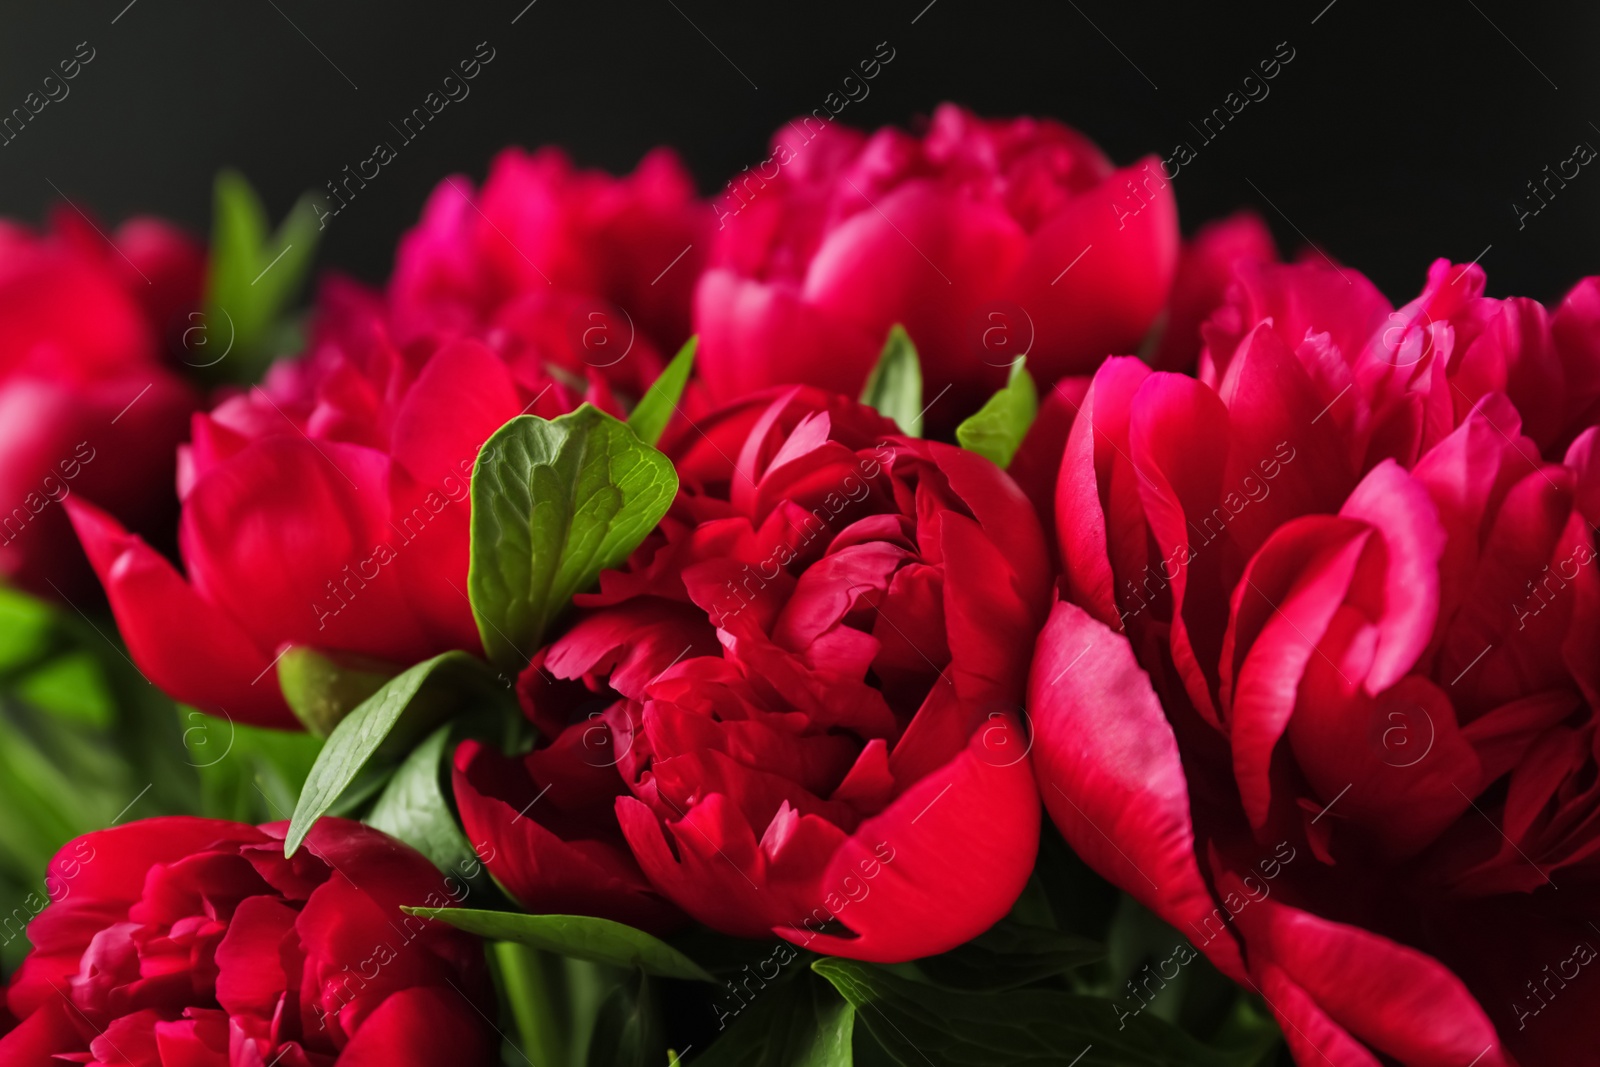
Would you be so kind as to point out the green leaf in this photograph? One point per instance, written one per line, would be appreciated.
(997, 430)
(553, 504)
(797, 1022)
(27, 629)
(253, 277)
(654, 410)
(321, 690)
(921, 1024)
(894, 387)
(1010, 955)
(414, 808)
(72, 686)
(580, 936)
(388, 722)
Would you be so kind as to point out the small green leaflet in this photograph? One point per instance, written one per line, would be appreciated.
(555, 502)
(654, 410)
(920, 1024)
(997, 430)
(580, 936)
(391, 721)
(252, 278)
(894, 388)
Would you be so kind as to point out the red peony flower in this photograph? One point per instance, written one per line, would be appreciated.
(572, 268)
(1414, 373)
(87, 410)
(1323, 692)
(795, 710)
(328, 508)
(194, 941)
(970, 235)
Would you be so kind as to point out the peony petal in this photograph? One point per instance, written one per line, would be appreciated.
(191, 649)
(422, 1027)
(933, 871)
(314, 517)
(1110, 773)
(1399, 1001)
(1178, 441)
(546, 874)
(1205, 271)
(1273, 409)
(1274, 666)
(1399, 506)
(740, 319)
(927, 258)
(1090, 476)
(1126, 231)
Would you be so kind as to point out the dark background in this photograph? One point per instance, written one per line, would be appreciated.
(1397, 134)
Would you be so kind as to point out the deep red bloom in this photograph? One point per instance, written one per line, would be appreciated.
(87, 409)
(195, 942)
(970, 235)
(1323, 693)
(760, 717)
(567, 267)
(328, 507)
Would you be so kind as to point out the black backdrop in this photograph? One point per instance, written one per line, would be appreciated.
(1396, 134)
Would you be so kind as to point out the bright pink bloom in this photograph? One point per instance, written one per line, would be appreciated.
(828, 634)
(87, 408)
(195, 942)
(570, 267)
(970, 235)
(1414, 372)
(1323, 691)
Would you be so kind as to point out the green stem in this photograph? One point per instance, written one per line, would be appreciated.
(535, 1008)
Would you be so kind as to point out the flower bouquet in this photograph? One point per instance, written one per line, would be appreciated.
(912, 607)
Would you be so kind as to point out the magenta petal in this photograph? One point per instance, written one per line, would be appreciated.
(1292, 596)
(1128, 241)
(1397, 1000)
(754, 334)
(1084, 489)
(250, 965)
(42, 1036)
(191, 649)
(422, 1027)
(1110, 774)
(501, 813)
(1399, 506)
(293, 538)
(1273, 408)
(1178, 439)
(1311, 1035)
(940, 865)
